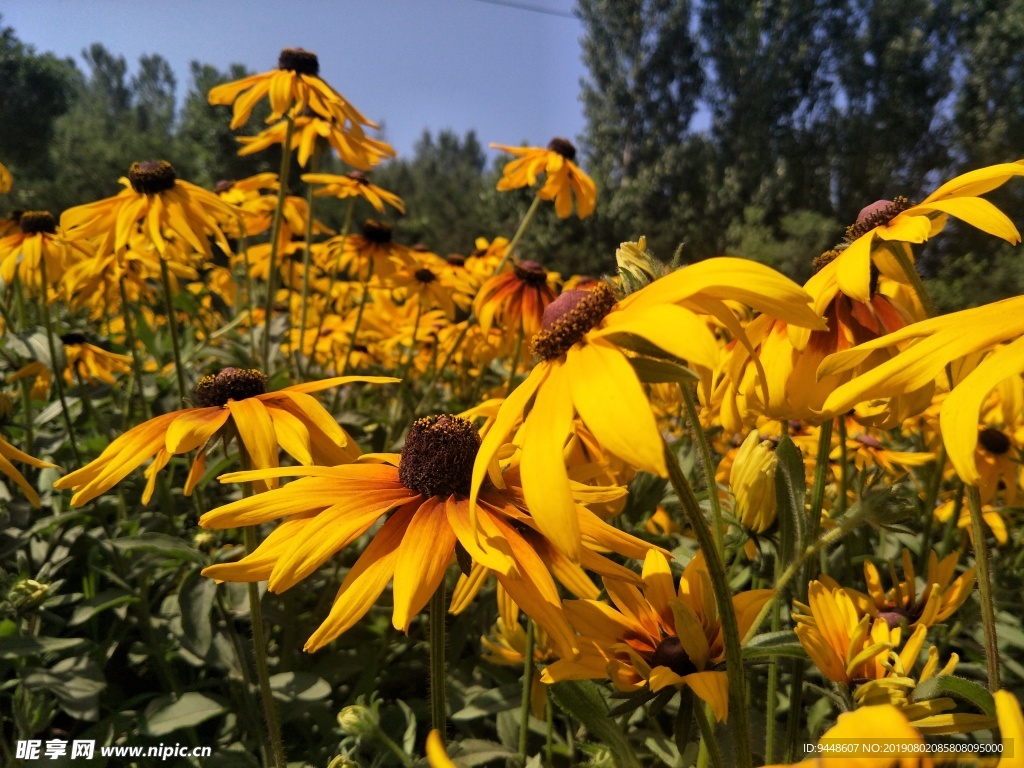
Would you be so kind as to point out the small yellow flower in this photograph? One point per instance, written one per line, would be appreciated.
(354, 184)
(563, 178)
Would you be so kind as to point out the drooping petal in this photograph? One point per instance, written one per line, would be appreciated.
(193, 428)
(423, 557)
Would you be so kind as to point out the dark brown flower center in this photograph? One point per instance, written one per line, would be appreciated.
(230, 384)
(224, 185)
(994, 441)
(74, 337)
(425, 276)
(670, 653)
(299, 60)
(531, 272)
(564, 147)
(438, 456)
(152, 176)
(377, 232)
(34, 222)
(456, 259)
(878, 214)
(358, 176)
(822, 261)
(895, 617)
(567, 319)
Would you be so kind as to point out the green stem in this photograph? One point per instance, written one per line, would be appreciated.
(988, 611)
(334, 275)
(738, 714)
(365, 295)
(412, 344)
(26, 403)
(172, 323)
(314, 163)
(914, 278)
(773, 680)
(930, 499)
(259, 644)
(438, 716)
(549, 719)
(275, 231)
(709, 469)
(708, 743)
(844, 474)
(524, 710)
(396, 750)
(58, 375)
(527, 218)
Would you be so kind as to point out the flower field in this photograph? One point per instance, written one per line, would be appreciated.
(299, 494)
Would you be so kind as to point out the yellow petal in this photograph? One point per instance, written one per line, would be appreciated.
(853, 268)
(712, 688)
(193, 428)
(423, 557)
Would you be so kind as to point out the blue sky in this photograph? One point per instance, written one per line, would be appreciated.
(510, 73)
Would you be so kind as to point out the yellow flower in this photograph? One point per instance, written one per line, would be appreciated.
(295, 85)
(752, 481)
(433, 284)
(8, 453)
(939, 600)
(155, 199)
(354, 184)
(659, 637)
(289, 418)
(957, 338)
(353, 146)
(36, 240)
(516, 299)
(425, 490)
(585, 350)
(93, 364)
(899, 221)
(563, 179)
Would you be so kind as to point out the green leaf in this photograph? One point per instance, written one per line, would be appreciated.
(161, 544)
(299, 686)
(790, 492)
(471, 752)
(17, 647)
(957, 687)
(166, 715)
(490, 702)
(582, 699)
(111, 598)
(195, 600)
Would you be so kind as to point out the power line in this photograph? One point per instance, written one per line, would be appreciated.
(529, 7)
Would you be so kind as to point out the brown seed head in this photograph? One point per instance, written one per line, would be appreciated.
(152, 176)
(438, 456)
(230, 384)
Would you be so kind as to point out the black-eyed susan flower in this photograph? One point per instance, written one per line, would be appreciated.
(563, 179)
(9, 453)
(429, 281)
(373, 250)
(585, 347)
(36, 240)
(942, 596)
(353, 146)
(658, 637)
(289, 418)
(294, 86)
(899, 221)
(423, 494)
(156, 201)
(516, 299)
(354, 184)
(90, 362)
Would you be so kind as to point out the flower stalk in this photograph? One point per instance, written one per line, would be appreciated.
(275, 231)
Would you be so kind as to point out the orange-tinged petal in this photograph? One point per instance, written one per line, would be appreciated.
(257, 432)
(712, 688)
(423, 557)
(193, 428)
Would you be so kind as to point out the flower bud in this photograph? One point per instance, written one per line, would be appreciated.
(752, 479)
(358, 720)
(637, 267)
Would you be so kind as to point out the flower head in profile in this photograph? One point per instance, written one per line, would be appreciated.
(563, 179)
(9, 453)
(159, 204)
(659, 636)
(354, 184)
(423, 498)
(294, 86)
(288, 418)
(517, 298)
(91, 363)
(33, 245)
(351, 143)
(586, 350)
